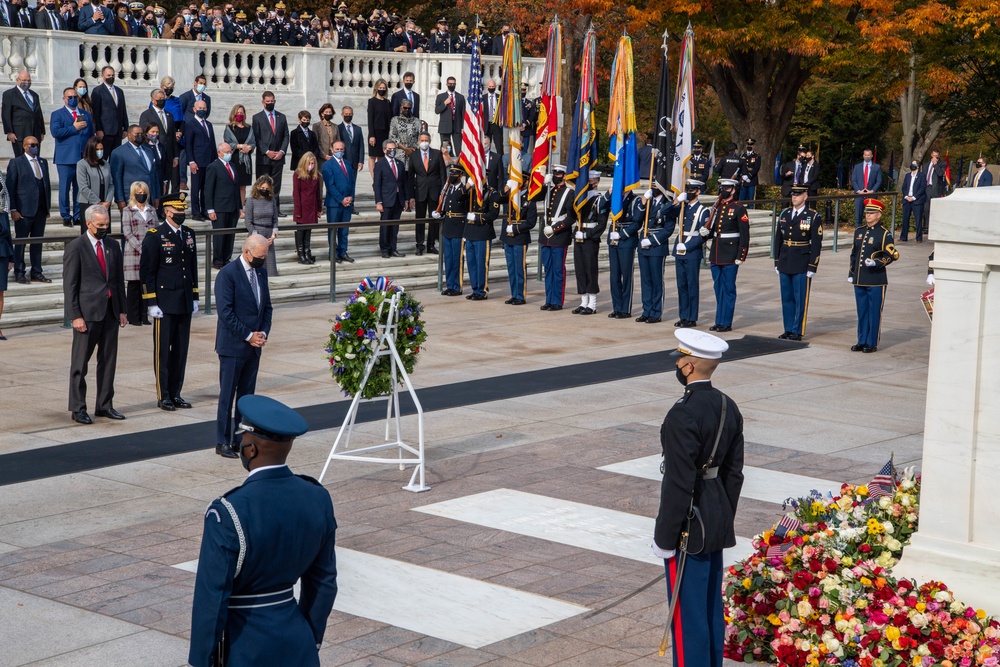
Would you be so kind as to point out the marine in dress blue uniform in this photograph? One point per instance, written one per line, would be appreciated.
(873, 250)
(454, 211)
(555, 237)
(698, 164)
(479, 234)
(593, 220)
(702, 471)
(729, 225)
(623, 239)
(689, 250)
(798, 241)
(168, 270)
(653, 250)
(259, 539)
(515, 234)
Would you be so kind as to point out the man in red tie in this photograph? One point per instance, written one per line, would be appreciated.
(391, 194)
(94, 301)
(450, 108)
(71, 126)
(866, 178)
(222, 201)
(339, 178)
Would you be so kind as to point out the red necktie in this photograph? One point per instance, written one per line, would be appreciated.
(392, 163)
(453, 106)
(230, 170)
(104, 265)
(866, 176)
(74, 116)
(344, 169)
(270, 117)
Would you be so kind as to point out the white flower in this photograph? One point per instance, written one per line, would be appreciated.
(884, 502)
(777, 576)
(942, 596)
(362, 299)
(911, 517)
(889, 528)
(919, 620)
(336, 358)
(893, 544)
(906, 484)
(905, 501)
(804, 609)
(957, 607)
(350, 356)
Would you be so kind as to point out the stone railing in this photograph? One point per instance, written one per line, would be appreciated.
(301, 78)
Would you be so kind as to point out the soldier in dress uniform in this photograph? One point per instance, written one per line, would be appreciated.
(258, 540)
(441, 40)
(623, 239)
(699, 163)
(749, 167)
(688, 249)
(515, 234)
(798, 241)
(729, 227)
(702, 441)
(654, 246)
(873, 250)
(242, 32)
(263, 29)
(729, 167)
(454, 212)
(282, 25)
(556, 236)
(168, 269)
(462, 43)
(478, 235)
(589, 230)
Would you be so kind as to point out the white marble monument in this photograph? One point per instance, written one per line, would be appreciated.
(958, 542)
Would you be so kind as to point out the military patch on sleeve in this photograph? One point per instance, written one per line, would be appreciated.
(819, 230)
(746, 218)
(212, 510)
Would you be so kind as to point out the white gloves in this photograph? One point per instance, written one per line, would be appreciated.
(194, 309)
(646, 243)
(471, 217)
(738, 262)
(548, 230)
(681, 249)
(930, 279)
(614, 236)
(850, 279)
(682, 197)
(746, 179)
(548, 179)
(155, 312)
(647, 195)
(435, 215)
(810, 274)
(776, 271)
(510, 230)
(704, 231)
(465, 180)
(511, 184)
(579, 236)
(869, 262)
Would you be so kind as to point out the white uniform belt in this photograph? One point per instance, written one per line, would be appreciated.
(732, 235)
(261, 599)
(589, 225)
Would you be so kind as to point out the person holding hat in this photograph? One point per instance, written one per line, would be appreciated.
(168, 269)
(688, 249)
(454, 212)
(589, 230)
(798, 241)
(515, 234)
(793, 172)
(866, 178)
(258, 540)
(749, 167)
(873, 250)
(654, 245)
(702, 441)
(556, 236)
(729, 228)
(728, 167)
(699, 164)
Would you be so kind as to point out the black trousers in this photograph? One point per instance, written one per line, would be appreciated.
(274, 170)
(135, 310)
(171, 337)
(585, 264)
(111, 141)
(104, 336)
(28, 227)
(197, 185)
(222, 244)
(387, 234)
(423, 209)
(237, 378)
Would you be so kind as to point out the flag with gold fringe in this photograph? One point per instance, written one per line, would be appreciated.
(548, 116)
(683, 113)
(622, 128)
(583, 137)
(472, 158)
(509, 116)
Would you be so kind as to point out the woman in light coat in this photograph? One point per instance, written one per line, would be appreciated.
(93, 177)
(261, 217)
(137, 219)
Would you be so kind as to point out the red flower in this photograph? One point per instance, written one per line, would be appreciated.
(372, 308)
(802, 579)
(360, 333)
(336, 327)
(865, 548)
(416, 349)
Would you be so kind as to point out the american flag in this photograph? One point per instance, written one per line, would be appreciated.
(472, 157)
(884, 483)
(786, 524)
(778, 550)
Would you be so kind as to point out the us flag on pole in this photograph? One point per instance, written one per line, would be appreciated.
(472, 157)
(884, 483)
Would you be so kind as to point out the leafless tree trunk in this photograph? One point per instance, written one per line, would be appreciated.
(920, 126)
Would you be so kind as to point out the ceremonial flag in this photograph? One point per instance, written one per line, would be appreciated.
(711, 158)
(684, 113)
(473, 158)
(583, 138)
(786, 524)
(884, 483)
(509, 116)
(622, 128)
(778, 550)
(947, 168)
(548, 116)
(777, 168)
(662, 141)
(892, 165)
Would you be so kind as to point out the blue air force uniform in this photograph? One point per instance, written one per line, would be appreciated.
(453, 214)
(479, 234)
(873, 250)
(559, 221)
(259, 539)
(730, 231)
(515, 234)
(653, 250)
(621, 258)
(688, 252)
(587, 245)
(798, 241)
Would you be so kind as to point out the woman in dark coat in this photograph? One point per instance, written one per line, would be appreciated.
(379, 115)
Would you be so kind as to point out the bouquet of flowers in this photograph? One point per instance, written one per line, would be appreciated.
(356, 332)
(818, 590)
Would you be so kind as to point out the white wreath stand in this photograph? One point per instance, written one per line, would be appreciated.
(385, 347)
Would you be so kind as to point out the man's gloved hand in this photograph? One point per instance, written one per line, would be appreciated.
(435, 215)
(510, 230)
(776, 271)
(738, 262)
(155, 312)
(682, 197)
(869, 262)
(558, 219)
(547, 230)
(681, 249)
(471, 217)
(746, 179)
(511, 184)
(647, 195)
(194, 307)
(704, 231)
(645, 243)
(850, 279)
(930, 279)
(548, 179)
(810, 274)
(579, 236)
(614, 236)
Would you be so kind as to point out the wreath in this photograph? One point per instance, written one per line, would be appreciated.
(356, 333)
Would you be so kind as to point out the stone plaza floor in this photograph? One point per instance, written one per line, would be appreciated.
(541, 505)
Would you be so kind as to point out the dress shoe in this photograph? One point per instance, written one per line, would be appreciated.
(166, 404)
(21, 278)
(554, 306)
(545, 307)
(347, 258)
(794, 336)
(869, 349)
(641, 318)
(110, 413)
(432, 251)
(587, 311)
(577, 310)
(385, 255)
(624, 316)
(857, 348)
(785, 335)
(396, 253)
(724, 329)
(714, 327)
(470, 296)
(517, 302)
(82, 417)
(2, 337)
(420, 252)
(340, 260)
(67, 223)
(226, 451)
(509, 301)
(147, 323)
(480, 297)
(181, 403)
(654, 320)
(219, 265)
(136, 323)
(680, 323)
(40, 278)
(613, 315)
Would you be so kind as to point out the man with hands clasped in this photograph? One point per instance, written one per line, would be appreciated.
(798, 241)
(688, 249)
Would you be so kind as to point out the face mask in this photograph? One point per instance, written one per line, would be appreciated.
(196, 29)
(137, 14)
(152, 138)
(691, 194)
(239, 118)
(281, 12)
(329, 116)
(557, 179)
(269, 106)
(266, 194)
(110, 81)
(201, 113)
(461, 33)
(140, 197)
(451, 87)
(726, 193)
(491, 91)
(304, 124)
(405, 113)
(339, 155)
(50, 6)
(81, 91)
(33, 151)
(680, 376)
(244, 459)
(179, 219)
(226, 157)
(256, 262)
(72, 102)
(381, 92)
(424, 145)
(803, 159)
(200, 88)
(241, 22)
(455, 180)
(25, 86)
(261, 16)
(159, 104)
(101, 232)
(390, 153)
(168, 91)
(697, 151)
(122, 14)
(408, 85)
(913, 167)
(100, 154)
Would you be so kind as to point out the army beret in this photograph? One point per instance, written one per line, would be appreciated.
(270, 419)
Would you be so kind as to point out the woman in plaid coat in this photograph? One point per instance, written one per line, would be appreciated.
(137, 218)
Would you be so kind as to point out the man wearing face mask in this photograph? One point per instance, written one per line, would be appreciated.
(688, 250)
(168, 269)
(200, 150)
(798, 242)
(71, 128)
(702, 442)
(500, 41)
(404, 131)
(158, 116)
(94, 301)
(729, 227)
(282, 25)
(982, 178)
(428, 174)
(96, 19)
(196, 94)
(914, 197)
(48, 18)
(264, 31)
(222, 201)
(450, 108)
(793, 172)
(392, 196)
(22, 113)
(110, 111)
(441, 40)
(491, 102)
(134, 161)
(406, 94)
(749, 167)
(555, 237)
(454, 213)
(699, 163)
(30, 192)
(270, 131)
(243, 301)
(303, 140)
(461, 43)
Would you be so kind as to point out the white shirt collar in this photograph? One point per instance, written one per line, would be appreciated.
(796, 211)
(172, 227)
(256, 470)
(70, 109)
(246, 267)
(93, 241)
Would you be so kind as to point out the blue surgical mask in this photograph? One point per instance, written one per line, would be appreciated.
(72, 102)
(339, 155)
(202, 113)
(81, 91)
(200, 88)
(226, 157)
(33, 151)
(100, 154)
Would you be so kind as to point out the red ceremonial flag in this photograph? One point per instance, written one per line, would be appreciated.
(548, 116)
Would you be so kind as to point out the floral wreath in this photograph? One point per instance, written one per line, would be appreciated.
(356, 333)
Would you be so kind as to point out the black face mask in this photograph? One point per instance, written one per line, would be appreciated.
(168, 91)
(256, 262)
(680, 375)
(159, 103)
(455, 180)
(408, 86)
(244, 459)
(405, 113)
(101, 232)
(726, 192)
(692, 194)
(269, 106)
(140, 197)
(461, 33)
(179, 219)
(451, 87)
(347, 119)
(557, 179)
(803, 159)
(261, 15)
(266, 194)
(328, 116)
(381, 92)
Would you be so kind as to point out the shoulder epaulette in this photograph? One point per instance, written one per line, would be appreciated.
(310, 479)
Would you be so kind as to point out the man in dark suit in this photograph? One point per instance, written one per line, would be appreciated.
(914, 197)
(164, 120)
(49, 19)
(22, 113)
(303, 140)
(353, 138)
(406, 94)
(222, 201)
(30, 193)
(428, 173)
(96, 20)
(134, 161)
(94, 301)
(866, 178)
(450, 108)
(981, 178)
(201, 148)
(493, 165)
(110, 113)
(500, 41)
(196, 94)
(937, 184)
(243, 302)
(270, 131)
(792, 172)
(491, 100)
(391, 197)
(24, 16)
(71, 127)
(340, 179)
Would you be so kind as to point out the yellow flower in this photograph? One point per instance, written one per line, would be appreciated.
(861, 490)
(861, 603)
(892, 633)
(921, 607)
(980, 614)
(747, 583)
(774, 620)
(917, 661)
(866, 581)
